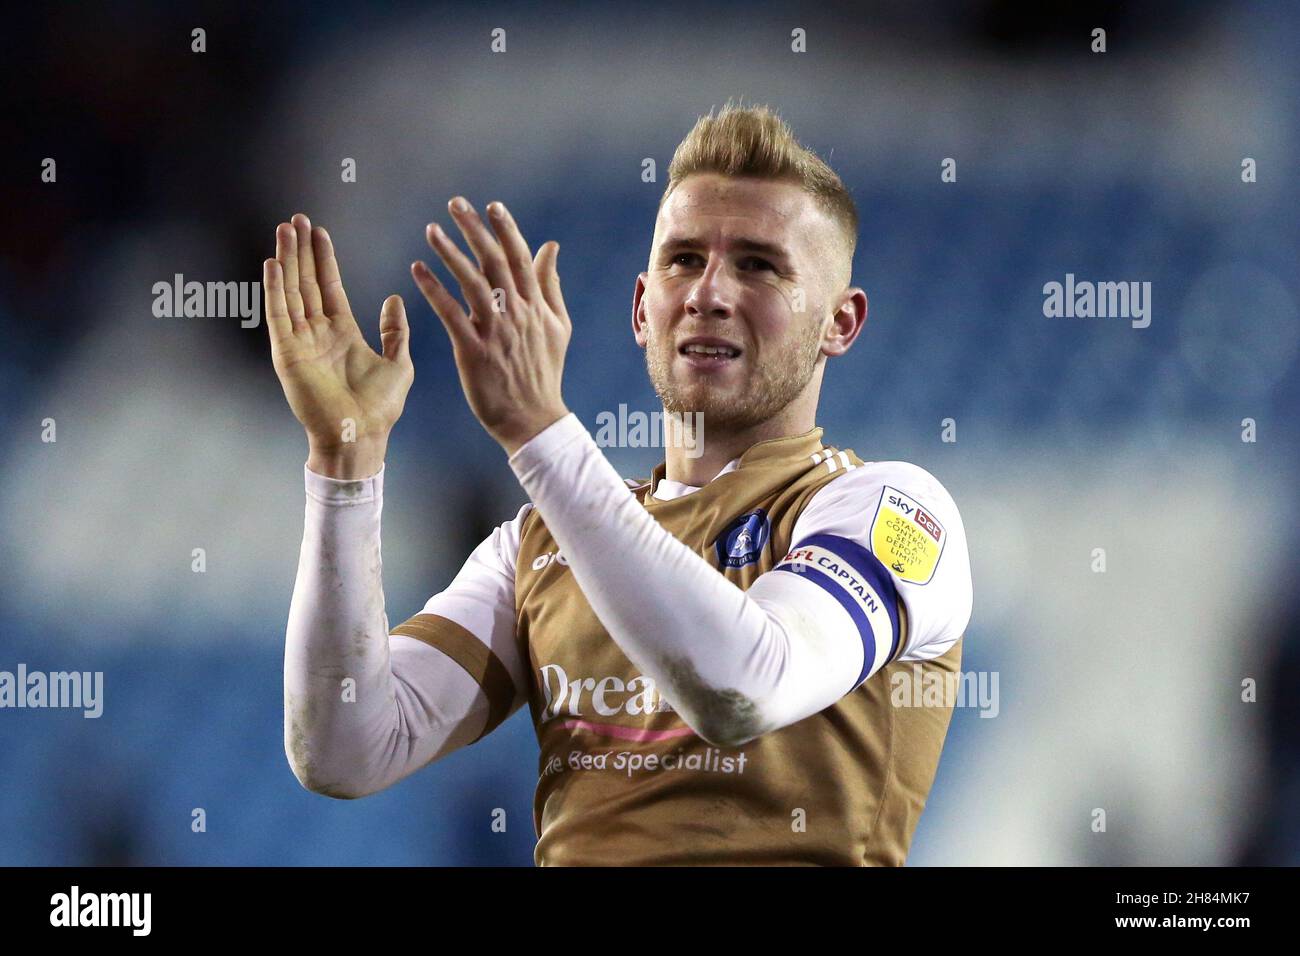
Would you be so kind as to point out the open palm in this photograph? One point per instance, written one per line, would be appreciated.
(338, 387)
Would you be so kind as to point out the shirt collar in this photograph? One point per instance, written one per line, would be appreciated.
(666, 489)
(769, 451)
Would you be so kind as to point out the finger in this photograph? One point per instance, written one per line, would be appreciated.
(473, 283)
(307, 267)
(333, 299)
(277, 310)
(548, 278)
(487, 250)
(394, 330)
(460, 327)
(516, 250)
(286, 250)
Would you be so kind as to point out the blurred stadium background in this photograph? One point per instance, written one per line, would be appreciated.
(1120, 691)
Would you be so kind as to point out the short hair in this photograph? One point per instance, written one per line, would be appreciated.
(755, 142)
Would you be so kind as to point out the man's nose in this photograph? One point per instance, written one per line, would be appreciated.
(712, 296)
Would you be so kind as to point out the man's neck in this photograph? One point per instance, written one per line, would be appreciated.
(698, 459)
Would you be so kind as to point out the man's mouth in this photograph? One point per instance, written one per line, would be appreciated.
(708, 354)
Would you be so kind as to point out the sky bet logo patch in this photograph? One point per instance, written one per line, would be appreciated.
(906, 538)
(743, 540)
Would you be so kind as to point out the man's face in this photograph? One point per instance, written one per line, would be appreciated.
(742, 269)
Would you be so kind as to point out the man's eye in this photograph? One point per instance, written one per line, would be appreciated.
(756, 262)
(677, 259)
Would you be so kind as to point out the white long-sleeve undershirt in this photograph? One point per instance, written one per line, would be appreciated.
(408, 703)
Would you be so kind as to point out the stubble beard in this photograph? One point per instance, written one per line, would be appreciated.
(776, 381)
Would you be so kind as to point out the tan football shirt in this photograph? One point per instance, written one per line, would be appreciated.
(623, 780)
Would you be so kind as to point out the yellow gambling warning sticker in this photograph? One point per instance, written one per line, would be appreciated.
(906, 537)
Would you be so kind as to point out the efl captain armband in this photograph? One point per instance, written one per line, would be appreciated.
(856, 579)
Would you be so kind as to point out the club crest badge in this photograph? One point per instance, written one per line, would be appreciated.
(743, 540)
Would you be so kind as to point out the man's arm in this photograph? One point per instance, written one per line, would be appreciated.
(733, 667)
(735, 664)
(363, 708)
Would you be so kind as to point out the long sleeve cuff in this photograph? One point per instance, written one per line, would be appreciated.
(546, 447)
(344, 490)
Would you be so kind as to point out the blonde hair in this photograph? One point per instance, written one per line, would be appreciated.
(754, 141)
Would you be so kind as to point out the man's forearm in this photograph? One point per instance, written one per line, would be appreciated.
(716, 654)
(352, 725)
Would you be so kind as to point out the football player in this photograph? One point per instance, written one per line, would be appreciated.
(706, 654)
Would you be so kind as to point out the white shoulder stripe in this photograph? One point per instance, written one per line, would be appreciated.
(834, 459)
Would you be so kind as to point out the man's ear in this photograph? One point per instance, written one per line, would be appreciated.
(638, 311)
(846, 323)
